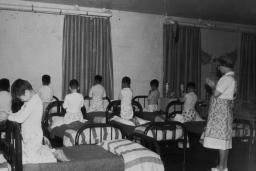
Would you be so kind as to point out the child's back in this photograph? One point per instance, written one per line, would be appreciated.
(126, 103)
(126, 113)
(5, 101)
(73, 102)
(153, 96)
(5, 96)
(189, 112)
(190, 101)
(46, 93)
(97, 93)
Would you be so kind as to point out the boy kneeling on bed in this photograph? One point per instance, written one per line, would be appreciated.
(126, 112)
(30, 116)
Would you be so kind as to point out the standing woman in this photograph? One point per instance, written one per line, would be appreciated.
(218, 132)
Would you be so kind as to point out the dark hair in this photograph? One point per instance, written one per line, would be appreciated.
(126, 80)
(4, 84)
(191, 85)
(225, 61)
(98, 78)
(46, 79)
(154, 82)
(16, 105)
(19, 86)
(73, 84)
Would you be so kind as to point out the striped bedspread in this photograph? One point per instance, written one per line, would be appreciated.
(97, 135)
(160, 134)
(136, 157)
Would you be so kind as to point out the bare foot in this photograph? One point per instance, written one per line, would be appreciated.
(59, 154)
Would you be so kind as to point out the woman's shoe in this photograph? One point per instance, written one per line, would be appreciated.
(216, 169)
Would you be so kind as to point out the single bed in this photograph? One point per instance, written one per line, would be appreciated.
(55, 135)
(81, 157)
(175, 108)
(96, 116)
(145, 114)
(64, 135)
(165, 138)
(172, 109)
(113, 110)
(143, 100)
(131, 156)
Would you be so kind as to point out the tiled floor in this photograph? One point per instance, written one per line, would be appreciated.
(202, 159)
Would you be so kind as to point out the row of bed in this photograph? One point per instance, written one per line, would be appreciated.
(95, 144)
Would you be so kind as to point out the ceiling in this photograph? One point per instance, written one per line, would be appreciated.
(234, 11)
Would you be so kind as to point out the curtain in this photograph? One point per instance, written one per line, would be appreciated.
(182, 52)
(247, 81)
(87, 51)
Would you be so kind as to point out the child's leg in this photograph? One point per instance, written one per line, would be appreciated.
(180, 118)
(57, 121)
(135, 121)
(121, 120)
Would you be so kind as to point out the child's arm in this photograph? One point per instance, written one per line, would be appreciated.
(65, 103)
(120, 95)
(82, 101)
(104, 93)
(4, 115)
(90, 93)
(22, 114)
(183, 97)
(183, 94)
(149, 96)
(52, 94)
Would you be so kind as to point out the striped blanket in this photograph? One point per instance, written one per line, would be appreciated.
(160, 134)
(91, 136)
(136, 157)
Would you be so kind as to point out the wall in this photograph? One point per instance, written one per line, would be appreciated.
(30, 46)
(137, 49)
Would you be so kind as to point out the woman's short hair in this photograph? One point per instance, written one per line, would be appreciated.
(225, 61)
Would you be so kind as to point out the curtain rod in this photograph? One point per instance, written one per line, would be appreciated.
(211, 25)
(53, 9)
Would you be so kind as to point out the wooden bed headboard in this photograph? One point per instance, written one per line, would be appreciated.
(11, 145)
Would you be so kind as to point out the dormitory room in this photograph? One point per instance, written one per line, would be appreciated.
(146, 85)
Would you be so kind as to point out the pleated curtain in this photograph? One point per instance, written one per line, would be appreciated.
(247, 73)
(182, 53)
(87, 51)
